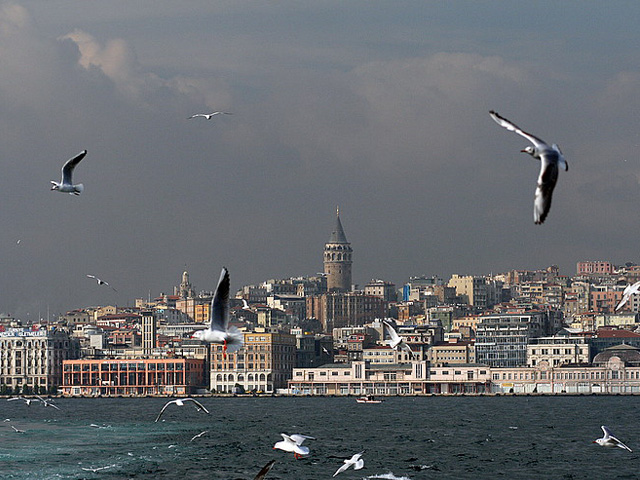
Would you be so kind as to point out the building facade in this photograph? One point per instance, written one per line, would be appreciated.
(264, 364)
(33, 358)
(155, 376)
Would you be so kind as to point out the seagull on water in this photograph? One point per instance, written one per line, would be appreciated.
(180, 402)
(395, 340)
(17, 430)
(608, 440)
(66, 184)
(209, 116)
(101, 282)
(264, 470)
(219, 331)
(356, 461)
(630, 290)
(550, 159)
(293, 443)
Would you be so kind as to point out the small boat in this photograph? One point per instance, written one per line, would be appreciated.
(368, 399)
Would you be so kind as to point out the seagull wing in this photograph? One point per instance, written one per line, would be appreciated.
(220, 303)
(198, 404)
(544, 190)
(512, 127)
(619, 444)
(261, 474)
(198, 115)
(67, 168)
(392, 332)
(406, 348)
(164, 408)
(346, 465)
(625, 297)
(298, 439)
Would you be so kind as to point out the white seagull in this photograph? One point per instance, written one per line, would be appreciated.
(293, 443)
(550, 159)
(630, 290)
(356, 461)
(47, 403)
(219, 331)
(101, 282)
(608, 440)
(245, 305)
(264, 470)
(395, 340)
(180, 402)
(25, 400)
(209, 116)
(198, 435)
(66, 184)
(17, 430)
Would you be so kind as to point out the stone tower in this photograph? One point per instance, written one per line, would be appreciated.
(337, 259)
(185, 290)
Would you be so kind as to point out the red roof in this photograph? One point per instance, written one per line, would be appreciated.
(606, 333)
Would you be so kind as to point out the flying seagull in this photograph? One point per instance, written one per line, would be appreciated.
(180, 402)
(293, 443)
(550, 159)
(27, 401)
(608, 440)
(356, 461)
(17, 430)
(209, 116)
(198, 435)
(47, 403)
(395, 340)
(101, 282)
(630, 290)
(219, 331)
(66, 184)
(264, 470)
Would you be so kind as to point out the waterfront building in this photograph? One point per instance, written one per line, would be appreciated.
(33, 358)
(151, 376)
(263, 364)
(411, 378)
(338, 260)
(609, 337)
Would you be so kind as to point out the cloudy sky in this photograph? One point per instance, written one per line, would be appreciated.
(378, 107)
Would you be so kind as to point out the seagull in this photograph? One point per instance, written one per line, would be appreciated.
(66, 184)
(101, 282)
(293, 443)
(245, 305)
(396, 341)
(198, 435)
(264, 470)
(356, 461)
(97, 469)
(209, 116)
(550, 159)
(630, 290)
(219, 331)
(608, 440)
(180, 403)
(25, 400)
(47, 403)
(17, 430)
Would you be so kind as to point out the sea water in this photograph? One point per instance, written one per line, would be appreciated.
(403, 438)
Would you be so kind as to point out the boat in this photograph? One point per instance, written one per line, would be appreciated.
(368, 399)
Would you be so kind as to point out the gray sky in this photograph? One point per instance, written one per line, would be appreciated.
(379, 107)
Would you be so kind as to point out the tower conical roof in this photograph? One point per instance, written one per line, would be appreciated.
(338, 236)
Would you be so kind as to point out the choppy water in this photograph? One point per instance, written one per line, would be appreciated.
(410, 438)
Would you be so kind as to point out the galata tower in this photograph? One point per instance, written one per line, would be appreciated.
(337, 259)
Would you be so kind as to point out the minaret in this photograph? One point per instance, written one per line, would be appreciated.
(337, 259)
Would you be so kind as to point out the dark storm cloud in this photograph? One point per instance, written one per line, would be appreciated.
(383, 111)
